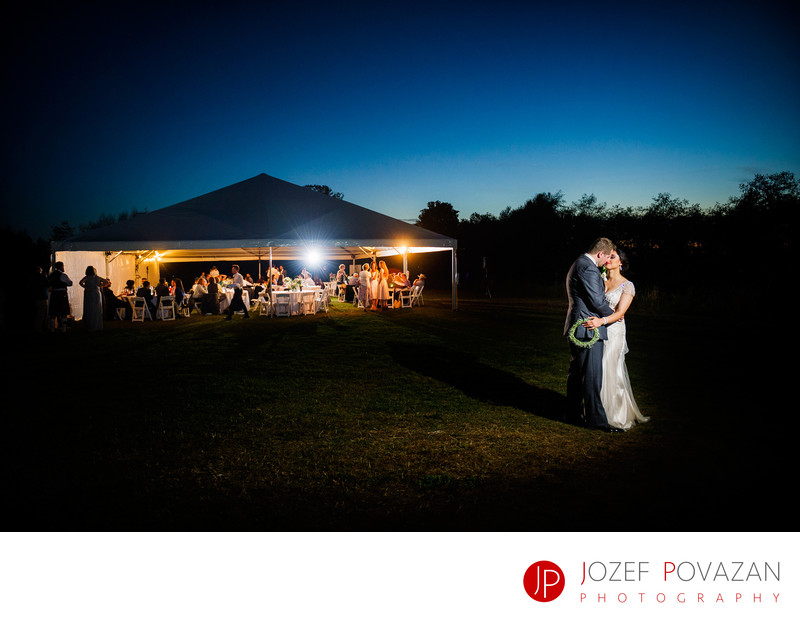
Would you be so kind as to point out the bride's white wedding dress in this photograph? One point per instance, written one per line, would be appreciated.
(616, 393)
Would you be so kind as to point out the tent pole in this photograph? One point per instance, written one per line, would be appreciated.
(454, 280)
(269, 280)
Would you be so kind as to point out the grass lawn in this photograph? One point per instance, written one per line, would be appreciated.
(414, 419)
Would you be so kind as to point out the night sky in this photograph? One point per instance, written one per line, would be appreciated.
(483, 105)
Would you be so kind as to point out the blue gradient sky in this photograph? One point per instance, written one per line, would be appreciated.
(483, 105)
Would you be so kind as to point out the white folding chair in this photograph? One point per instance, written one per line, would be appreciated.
(408, 298)
(166, 308)
(264, 304)
(416, 296)
(342, 292)
(321, 301)
(140, 309)
(280, 304)
(183, 307)
(307, 303)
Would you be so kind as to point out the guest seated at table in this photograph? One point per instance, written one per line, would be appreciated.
(401, 281)
(420, 281)
(179, 294)
(249, 286)
(150, 300)
(129, 289)
(211, 298)
(263, 286)
(111, 303)
(308, 281)
(162, 288)
(351, 287)
(198, 291)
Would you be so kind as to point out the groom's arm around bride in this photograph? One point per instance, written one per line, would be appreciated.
(586, 295)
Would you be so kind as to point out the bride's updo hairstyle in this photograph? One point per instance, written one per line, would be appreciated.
(624, 261)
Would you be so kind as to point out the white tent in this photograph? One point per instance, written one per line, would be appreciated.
(261, 218)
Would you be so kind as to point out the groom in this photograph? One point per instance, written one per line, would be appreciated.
(586, 292)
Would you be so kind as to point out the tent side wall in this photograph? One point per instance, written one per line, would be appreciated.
(118, 269)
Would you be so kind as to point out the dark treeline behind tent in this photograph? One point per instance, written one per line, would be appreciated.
(674, 245)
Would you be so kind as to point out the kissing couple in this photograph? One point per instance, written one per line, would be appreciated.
(599, 394)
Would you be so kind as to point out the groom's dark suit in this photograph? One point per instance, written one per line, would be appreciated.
(586, 291)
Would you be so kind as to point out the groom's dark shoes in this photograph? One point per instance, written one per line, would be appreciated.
(607, 429)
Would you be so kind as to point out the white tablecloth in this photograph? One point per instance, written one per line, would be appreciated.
(226, 296)
(295, 298)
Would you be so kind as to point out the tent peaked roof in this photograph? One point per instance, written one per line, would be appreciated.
(260, 212)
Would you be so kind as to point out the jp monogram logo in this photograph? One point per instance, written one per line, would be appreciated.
(543, 581)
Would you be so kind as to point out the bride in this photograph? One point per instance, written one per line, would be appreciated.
(616, 393)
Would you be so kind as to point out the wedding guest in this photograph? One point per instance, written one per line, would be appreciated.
(214, 273)
(39, 288)
(401, 281)
(149, 299)
(211, 297)
(179, 294)
(373, 285)
(237, 303)
(352, 288)
(162, 289)
(364, 286)
(198, 291)
(111, 303)
(58, 309)
(341, 275)
(93, 299)
(420, 281)
(383, 285)
(129, 289)
(263, 286)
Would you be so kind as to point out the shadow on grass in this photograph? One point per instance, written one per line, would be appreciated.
(478, 380)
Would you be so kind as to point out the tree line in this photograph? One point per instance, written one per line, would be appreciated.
(672, 244)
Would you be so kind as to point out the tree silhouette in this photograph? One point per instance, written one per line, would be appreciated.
(325, 190)
(439, 217)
